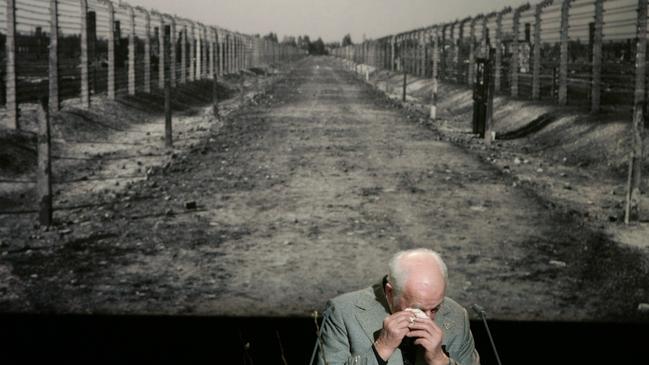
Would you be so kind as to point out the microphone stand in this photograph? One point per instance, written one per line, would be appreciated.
(478, 309)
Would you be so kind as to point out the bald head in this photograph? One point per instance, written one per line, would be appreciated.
(417, 271)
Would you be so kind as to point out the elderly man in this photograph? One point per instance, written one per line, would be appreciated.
(406, 319)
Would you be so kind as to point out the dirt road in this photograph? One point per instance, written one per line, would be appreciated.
(305, 195)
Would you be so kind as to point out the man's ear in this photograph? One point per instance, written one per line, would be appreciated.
(389, 291)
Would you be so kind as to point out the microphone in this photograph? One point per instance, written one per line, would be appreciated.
(481, 312)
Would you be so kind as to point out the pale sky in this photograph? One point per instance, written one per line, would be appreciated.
(328, 19)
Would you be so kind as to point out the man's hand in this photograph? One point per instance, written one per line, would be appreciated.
(395, 328)
(428, 335)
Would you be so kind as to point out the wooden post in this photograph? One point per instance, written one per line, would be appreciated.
(54, 103)
(85, 80)
(162, 51)
(44, 173)
(147, 51)
(498, 46)
(131, 51)
(10, 77)
(173, 41)
(597, 56)
(563, 58)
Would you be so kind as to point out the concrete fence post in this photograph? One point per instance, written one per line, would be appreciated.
(639, 105)
(147, 50)
(183, 55)
(173, 41)
(563, 58)
(536, 65)
(44, 171)
(597, 56)
(472, 57)
(162, 52)
(54, 101)
(10, 77)
(191, 38)
(514, 64)
(443, 53)
(435, 61)
(84, 59)
(393, 53)
(212, 58)
(131, 49)
(454, 50)
(199, 51)
(498, 45)
(220, 39)
(111, 50)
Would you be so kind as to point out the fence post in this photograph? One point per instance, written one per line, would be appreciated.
(637, 155)
(131, 51)
(471, 77)
(111, 50)
(147, 50)
(44, 173)
(515, 49)
(405, 83)
(536, 66)
(173, 41)
(54, 57)
(220, 36)
(162, 49)
(563, 62)
(164, 55)
(212, 59)
(85, 81)
(435, 60)
(597, 56)
(443, 55)
(192, 52)
(498, 55)
(183, 55)
(393, 52)
(10, 78)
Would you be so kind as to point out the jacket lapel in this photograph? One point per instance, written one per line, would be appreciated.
(372, 310)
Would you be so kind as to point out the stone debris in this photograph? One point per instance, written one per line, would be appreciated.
(643, 307)
(558, 263)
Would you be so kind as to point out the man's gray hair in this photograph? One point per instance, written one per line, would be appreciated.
(398, 273)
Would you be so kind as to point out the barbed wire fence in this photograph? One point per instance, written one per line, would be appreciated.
(86, 52)
(587, 53)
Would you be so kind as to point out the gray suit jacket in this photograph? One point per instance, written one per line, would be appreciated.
(354, 320)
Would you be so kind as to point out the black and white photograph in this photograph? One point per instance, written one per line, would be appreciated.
(367, 182)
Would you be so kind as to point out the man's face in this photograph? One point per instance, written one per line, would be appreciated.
(425, 296)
